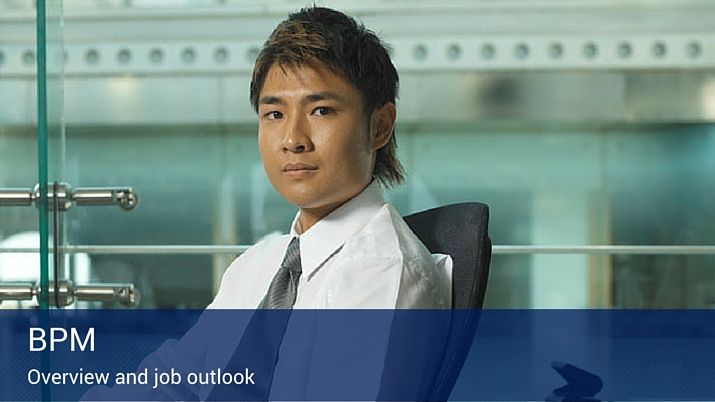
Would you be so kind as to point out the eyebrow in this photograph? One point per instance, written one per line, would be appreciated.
(324, 95)
(312, 97)
(270, 100)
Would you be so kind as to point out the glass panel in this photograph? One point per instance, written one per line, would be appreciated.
(20, 109)
(156, 99)
(49, 135)
(562, 184)
(55, 138)
(197, 185)
(615, 281)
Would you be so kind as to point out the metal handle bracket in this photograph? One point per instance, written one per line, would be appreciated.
(125, 294)
(124, 197)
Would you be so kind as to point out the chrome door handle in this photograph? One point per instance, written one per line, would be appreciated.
(15, 197)
(125, 294)
(124, 197)
(18, 291)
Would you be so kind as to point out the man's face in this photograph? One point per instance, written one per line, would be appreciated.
(313, 136)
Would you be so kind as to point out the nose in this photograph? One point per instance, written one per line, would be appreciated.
(297, 136)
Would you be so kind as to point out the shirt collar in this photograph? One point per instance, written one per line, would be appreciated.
(326, 236)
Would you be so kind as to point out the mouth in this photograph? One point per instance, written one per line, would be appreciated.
(298, 168)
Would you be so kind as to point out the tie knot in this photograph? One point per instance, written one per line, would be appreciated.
(291, 261)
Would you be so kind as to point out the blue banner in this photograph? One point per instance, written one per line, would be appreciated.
(357, 355)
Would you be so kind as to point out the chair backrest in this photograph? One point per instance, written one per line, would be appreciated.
(460, 230)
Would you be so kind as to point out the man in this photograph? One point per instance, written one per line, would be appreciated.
(324, 89)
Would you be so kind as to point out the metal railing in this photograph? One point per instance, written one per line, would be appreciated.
(499, 250)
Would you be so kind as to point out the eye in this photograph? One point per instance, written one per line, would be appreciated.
(323, 111)
(273, 115)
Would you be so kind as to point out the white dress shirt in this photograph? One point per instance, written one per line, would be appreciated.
(362, 255)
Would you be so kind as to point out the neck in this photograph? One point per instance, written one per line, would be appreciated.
(310, 216)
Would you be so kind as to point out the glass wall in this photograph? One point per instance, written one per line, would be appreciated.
(19, 226)
(549, 185)
(580, 136)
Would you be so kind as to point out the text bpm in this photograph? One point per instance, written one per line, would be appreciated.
(59, 336)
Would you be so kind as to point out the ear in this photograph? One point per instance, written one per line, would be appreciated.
(382, 124)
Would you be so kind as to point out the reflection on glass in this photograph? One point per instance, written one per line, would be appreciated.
(199, 175)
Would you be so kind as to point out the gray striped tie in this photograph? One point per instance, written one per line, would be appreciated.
(284, 287)
(260, 345)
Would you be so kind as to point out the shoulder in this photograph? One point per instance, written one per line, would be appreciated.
(388, 245)
(241, 280)
(388, 235)
(267, 244)
(265, 247)
(426, 277)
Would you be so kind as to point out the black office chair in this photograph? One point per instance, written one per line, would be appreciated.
(460, 230)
